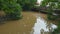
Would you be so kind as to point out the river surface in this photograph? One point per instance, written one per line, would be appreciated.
(31, 23)
(41, 26)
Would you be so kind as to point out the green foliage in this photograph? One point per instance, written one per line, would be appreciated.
(11, 8)
(15, 12)
(27, 4)
(53, 4)
(45, 2)
(57, 31)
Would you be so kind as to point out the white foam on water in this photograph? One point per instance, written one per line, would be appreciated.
(41, 24)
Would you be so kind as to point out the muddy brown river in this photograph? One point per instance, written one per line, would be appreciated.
(29, 24)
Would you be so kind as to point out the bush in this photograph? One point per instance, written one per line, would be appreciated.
(14, 13)
(11, 8)
(53, 4)
(27, 4)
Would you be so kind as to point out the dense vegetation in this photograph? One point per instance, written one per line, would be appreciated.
(13, 8)
(53, 4)
(27, 4)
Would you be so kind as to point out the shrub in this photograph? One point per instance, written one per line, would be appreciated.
(27, 4)
(14, 13)
(11, 8)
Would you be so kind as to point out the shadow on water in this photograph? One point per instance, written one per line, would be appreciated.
(42, 27)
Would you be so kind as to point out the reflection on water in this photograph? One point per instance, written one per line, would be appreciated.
(41, 25)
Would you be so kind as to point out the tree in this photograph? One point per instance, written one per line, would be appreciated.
(27, 4)
(11, 8)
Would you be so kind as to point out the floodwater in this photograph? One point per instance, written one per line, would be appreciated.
(41, 26)
(29, 24)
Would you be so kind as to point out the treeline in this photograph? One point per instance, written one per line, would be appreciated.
(13, 8)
